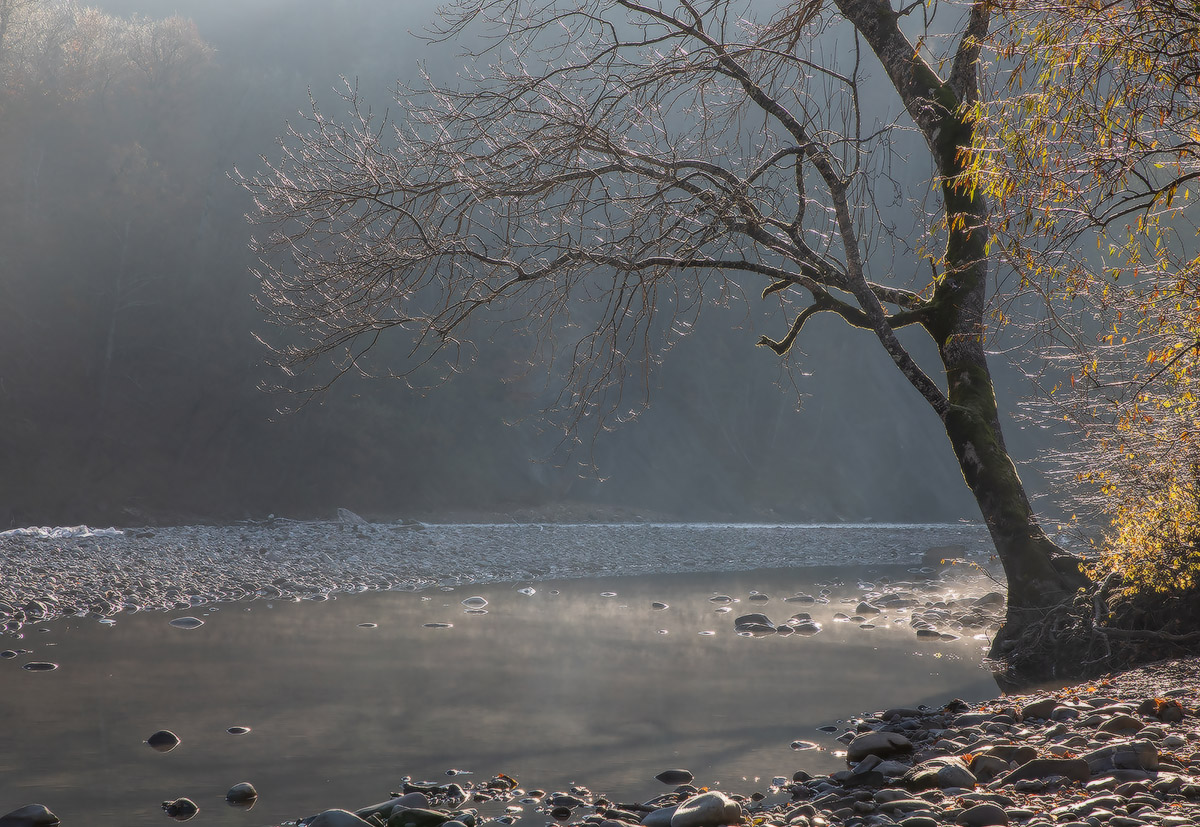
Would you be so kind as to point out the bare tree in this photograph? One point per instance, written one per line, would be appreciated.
(619, 163)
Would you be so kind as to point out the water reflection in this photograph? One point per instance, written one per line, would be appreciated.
(603, 682)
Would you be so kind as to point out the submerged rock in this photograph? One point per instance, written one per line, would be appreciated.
(31, 815)
(181, 809)
(241, 793)
(187, 623)
(163, 741)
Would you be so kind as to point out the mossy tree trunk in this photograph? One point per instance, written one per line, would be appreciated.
(1040, 575)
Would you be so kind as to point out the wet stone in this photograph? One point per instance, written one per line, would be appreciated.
(163, 741)
(675, 777)
(187, 622)
(241, 793)
(31, 815)
(181, 809)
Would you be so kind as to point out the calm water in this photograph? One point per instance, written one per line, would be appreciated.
(582, 681)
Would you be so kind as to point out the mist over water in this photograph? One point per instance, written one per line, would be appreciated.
(587, 681)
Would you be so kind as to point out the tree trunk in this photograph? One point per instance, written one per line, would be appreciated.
(1040, 575)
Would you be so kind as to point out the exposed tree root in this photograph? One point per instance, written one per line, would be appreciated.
(1104, 628)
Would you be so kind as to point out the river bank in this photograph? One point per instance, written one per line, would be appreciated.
(1123, 751)
(1120, 751)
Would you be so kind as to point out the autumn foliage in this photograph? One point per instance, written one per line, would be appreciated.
(1092, 157)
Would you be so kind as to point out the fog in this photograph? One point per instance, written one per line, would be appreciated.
(130, 373)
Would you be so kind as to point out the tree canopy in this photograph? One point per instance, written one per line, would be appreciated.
(613, 166)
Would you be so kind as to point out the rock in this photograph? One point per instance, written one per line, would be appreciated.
(414, 800)
(181, 809)
(1167, 710)
(939, 773)
(806, 627)
(1134, 755)
(991, 600)
(241, 793)
(865, 608)
(186, 622)
(31, 815)
(711, 809)
(417, 817)
(163, 741)
(1122, 724)
(903, 805)
(1020, 753)
(1040, 709)
(919, 821)
(336, 818)
(982, 815)
(985, 767)
(675, 777)
(883, 744)
(754, 624)
(1076, 769)
(659, 818)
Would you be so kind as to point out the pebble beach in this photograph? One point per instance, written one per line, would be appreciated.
(1121, 751)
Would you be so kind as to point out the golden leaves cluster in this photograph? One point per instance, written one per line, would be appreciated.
(1089, 148)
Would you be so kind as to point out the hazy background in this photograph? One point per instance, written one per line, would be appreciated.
(129, 373)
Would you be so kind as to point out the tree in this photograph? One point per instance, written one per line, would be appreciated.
(620, 163)
(1090, 159)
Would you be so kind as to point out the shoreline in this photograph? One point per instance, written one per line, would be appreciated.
(1122, 750)
(1137, 732)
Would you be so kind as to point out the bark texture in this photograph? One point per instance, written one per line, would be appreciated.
(1040, 574)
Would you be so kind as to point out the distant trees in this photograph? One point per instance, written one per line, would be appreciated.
(128, 369)
(619, 165)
